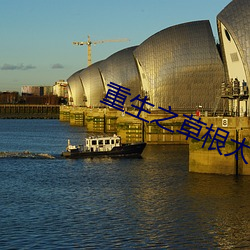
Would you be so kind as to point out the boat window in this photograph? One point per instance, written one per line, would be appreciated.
(117, 141)
(107, 142)
(100, 142)
(112, 141)
(93, 142)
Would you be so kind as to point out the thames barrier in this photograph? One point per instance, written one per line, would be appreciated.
(182, 67)
(201, 159)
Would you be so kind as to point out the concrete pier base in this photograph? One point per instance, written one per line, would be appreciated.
(133, 129)
(203, 160)
(64, 114)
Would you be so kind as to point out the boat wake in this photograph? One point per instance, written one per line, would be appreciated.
(26, 154)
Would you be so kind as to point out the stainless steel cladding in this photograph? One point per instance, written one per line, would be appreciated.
(121, 69)
(234, 24)
(93, 85)
(75, 90)
(180, 67)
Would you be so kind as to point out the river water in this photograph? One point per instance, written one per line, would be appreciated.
(149, 203)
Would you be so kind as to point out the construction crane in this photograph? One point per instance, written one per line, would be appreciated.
(89, 43)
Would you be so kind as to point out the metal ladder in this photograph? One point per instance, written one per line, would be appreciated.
(217, 101)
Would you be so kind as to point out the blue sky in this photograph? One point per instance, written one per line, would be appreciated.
(36, 35)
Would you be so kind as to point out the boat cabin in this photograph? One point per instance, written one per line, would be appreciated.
(105, 143)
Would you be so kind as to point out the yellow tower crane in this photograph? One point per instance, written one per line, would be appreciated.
(89, 43)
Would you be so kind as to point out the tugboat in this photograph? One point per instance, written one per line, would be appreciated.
(96, 146)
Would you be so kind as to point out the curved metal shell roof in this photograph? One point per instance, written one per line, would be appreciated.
(181, 67)
(236, 18)
(76, 90)
(121, 69)
(93, 85)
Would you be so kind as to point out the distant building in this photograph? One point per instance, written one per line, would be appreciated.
(37, 90)
(9, 97)
(60, 89)
(47, 90)
(40, 100)
(30, 90)
(39, 95)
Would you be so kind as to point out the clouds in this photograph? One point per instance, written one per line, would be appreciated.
(57, 66)
(21, 66)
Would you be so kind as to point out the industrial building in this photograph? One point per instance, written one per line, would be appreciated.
(40, 95)
(180, 66)
(60, 89)
(9, 97)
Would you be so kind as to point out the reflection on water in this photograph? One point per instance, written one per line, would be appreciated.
(224, 201)
(107, 203)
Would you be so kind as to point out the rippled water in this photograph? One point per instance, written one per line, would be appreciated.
(145, 203)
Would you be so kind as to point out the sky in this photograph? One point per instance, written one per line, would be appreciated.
(36, 35)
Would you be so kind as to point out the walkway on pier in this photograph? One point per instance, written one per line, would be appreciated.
(24, 111)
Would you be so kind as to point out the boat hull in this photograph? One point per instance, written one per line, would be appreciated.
(126, 150)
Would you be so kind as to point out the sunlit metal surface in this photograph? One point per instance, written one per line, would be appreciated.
(236, 18)
(121, 69)
(181, 67)
(93, 85)
(76, 91)
(234, 33)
